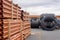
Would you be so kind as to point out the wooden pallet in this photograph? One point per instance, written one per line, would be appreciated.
(26, 25)
(10, 29)
(9, 9)
(5, 8)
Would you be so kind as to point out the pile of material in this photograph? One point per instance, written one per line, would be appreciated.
(26, 25)
(11, 23)
(47, 22)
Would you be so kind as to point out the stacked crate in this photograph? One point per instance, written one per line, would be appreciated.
(16, 11)
(10, 21)
(15, 32)
(11, 29)
(5, 9)
(5, 13)
(26, 25)
(26, 29)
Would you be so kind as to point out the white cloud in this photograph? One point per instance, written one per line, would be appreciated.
(37, 10)
(37, 7)
(26, 3)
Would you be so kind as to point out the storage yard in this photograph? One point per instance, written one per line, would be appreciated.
(16, 24)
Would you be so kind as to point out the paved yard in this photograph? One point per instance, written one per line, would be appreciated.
(38, 34)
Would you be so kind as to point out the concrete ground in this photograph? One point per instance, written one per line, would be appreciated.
(38, 34)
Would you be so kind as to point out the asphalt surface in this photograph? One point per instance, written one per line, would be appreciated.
(38, 34)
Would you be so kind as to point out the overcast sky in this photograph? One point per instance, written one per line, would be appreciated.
(37, 7)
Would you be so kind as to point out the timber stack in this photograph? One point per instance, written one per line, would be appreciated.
(26, 31)
(13, 22)
(10, 21)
